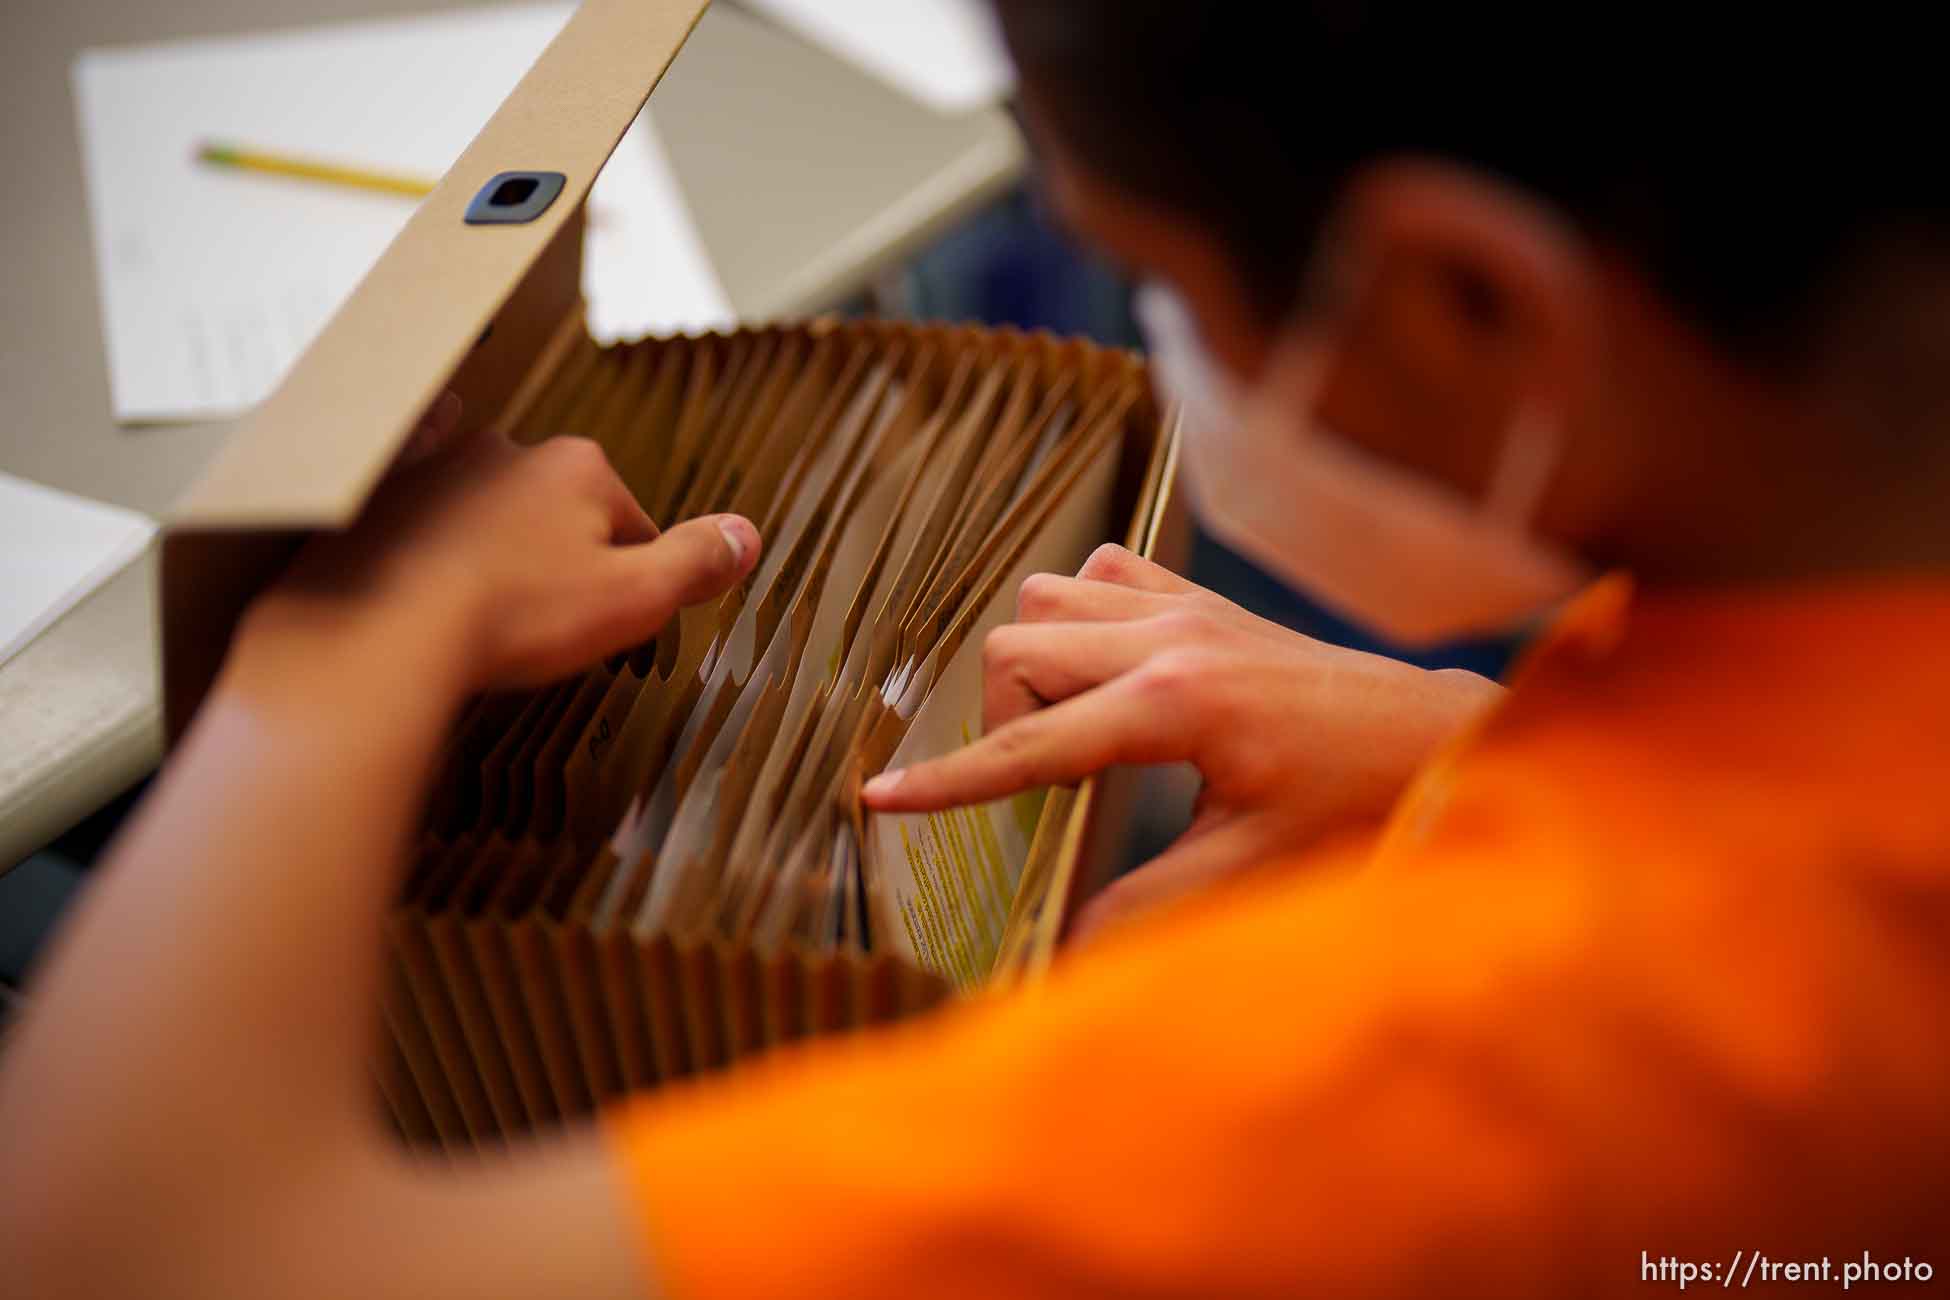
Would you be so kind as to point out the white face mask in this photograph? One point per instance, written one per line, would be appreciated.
(1411, 558)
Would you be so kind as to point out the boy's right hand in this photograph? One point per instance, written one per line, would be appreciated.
(1129, 663)
(526, 563)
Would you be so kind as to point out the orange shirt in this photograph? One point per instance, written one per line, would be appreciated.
(1651, 969)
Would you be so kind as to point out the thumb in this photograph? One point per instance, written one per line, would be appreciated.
(686, 565)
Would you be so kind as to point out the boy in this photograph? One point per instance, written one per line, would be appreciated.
(1649, 967)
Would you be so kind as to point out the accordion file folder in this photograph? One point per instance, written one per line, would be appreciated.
(660, 865)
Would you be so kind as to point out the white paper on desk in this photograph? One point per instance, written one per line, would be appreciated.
(54, 549)
(214, 280)
(948, 54)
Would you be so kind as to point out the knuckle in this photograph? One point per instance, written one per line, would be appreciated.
(1107, 563)
(1038, 596)
(1212, 603)
(1001, 649)
(1185, 625)
(1173, 677)
(580, 458)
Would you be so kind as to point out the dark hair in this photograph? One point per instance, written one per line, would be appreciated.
(1727, 176)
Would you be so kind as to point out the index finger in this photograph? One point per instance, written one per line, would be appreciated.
(1083, 735)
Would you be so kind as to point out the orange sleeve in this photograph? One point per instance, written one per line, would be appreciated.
(1457, 1080)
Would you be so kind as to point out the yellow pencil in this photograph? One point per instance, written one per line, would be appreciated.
(226, 155)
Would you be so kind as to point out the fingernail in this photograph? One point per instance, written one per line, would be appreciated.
(884, 784)
(739, 536)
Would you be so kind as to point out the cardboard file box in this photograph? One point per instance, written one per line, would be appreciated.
(522, 986)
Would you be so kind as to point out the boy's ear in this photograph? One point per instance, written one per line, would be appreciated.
(1446, 305)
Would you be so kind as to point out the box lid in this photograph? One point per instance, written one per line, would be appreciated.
(310, 453)
(309, 456)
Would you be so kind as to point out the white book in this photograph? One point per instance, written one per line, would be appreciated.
(947, 54)
(55, 548)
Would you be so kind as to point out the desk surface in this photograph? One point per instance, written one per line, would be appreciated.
(805, 177)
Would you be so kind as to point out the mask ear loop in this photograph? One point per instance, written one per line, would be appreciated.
(1528, 458)
(1523, 473)
(1524, 468)
(1288, 390)
(1293, 379)
(1179, 357)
